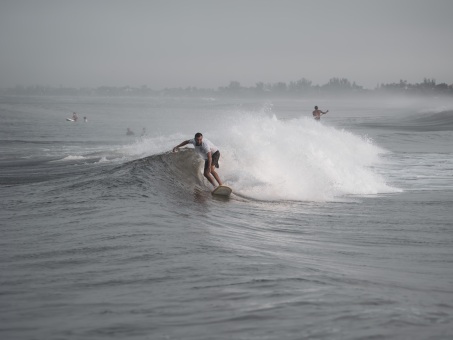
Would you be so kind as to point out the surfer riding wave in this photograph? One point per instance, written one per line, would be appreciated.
(209, 152)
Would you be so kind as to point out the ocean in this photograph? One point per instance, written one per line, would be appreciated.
(338, 229)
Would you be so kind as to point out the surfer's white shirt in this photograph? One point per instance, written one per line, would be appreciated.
(204, 148)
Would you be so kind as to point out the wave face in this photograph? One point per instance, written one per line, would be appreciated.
(436, 121)
(421, 122)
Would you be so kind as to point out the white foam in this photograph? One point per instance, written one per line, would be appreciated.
(103, 160)
(72, 158)
(301, 159)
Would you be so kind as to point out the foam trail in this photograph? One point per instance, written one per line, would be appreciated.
(300, 159)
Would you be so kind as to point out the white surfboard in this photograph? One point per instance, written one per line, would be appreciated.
(222, 190)
(69, 119)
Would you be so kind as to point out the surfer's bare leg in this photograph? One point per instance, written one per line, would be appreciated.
(207, 174)
(214, 173)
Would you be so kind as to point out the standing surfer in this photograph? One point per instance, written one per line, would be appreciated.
(209, 152)
(317, 113)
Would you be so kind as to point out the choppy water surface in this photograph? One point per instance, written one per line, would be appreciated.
(339, 229)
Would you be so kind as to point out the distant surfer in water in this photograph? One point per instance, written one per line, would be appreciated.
(209, 152)
(317, 113)
(74, 116)
(129, 132)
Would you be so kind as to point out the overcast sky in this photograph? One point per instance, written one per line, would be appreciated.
(208, 43)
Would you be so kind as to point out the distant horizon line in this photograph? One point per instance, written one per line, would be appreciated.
(306, 83)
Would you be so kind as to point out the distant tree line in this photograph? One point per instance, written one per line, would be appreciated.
(428, 86)
(300, 88)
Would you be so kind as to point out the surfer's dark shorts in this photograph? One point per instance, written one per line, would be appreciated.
(215, 160)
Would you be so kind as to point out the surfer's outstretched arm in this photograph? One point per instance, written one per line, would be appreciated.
(179, 145)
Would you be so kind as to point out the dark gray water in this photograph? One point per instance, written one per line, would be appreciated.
(340, 229)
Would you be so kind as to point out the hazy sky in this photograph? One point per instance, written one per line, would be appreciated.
(208, 43)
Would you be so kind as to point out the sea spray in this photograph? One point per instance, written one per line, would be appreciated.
(300, 159)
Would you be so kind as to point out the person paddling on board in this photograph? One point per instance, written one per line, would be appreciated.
(317, 113)
(209, 152)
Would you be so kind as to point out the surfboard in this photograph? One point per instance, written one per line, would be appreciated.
(69, 119)
(222, 190)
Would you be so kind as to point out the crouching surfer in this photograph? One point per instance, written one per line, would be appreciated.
(209, 152)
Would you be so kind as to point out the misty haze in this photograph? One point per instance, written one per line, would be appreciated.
(207, 44)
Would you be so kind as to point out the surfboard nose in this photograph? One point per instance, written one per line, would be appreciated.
(222, 190)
